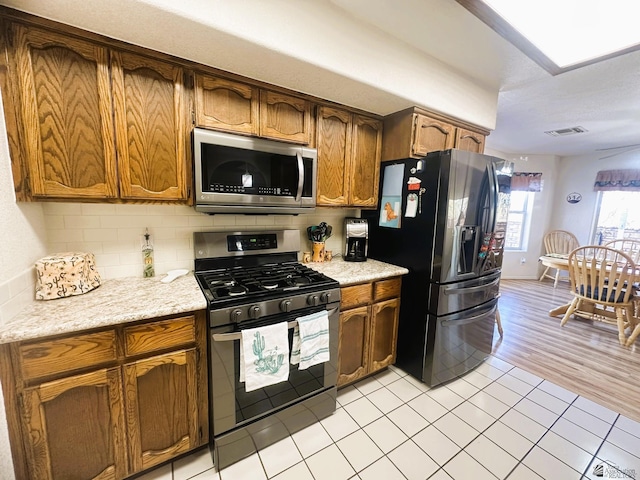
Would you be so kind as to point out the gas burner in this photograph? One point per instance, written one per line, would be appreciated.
(269, 284)
(301, 280)
(226, 282)
(236, 290)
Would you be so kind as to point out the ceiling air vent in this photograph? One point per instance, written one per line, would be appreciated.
(566, 131)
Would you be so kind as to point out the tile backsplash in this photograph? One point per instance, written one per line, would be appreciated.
(114, 232)
(16, 293)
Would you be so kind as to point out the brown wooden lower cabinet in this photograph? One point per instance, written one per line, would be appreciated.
(74, 427)
(162, 407)
(118, 416)
(353, 345)
(368, 328)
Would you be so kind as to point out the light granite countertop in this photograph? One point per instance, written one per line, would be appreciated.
(124, 300)
(348, 273)
(114, 302)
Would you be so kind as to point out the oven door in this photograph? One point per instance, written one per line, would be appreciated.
(232, 406)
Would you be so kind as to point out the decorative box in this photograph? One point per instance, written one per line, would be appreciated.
(66, 274)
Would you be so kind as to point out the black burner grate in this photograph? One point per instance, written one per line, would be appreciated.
(264, 281)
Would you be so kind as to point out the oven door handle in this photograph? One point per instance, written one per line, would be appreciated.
(227, 337)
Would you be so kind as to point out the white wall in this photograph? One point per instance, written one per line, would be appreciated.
(23, 238)
(578, 174)
(543, 206)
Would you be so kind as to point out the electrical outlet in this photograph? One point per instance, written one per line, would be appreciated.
(523, 260)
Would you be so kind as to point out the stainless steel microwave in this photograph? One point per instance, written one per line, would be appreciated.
(237, 174)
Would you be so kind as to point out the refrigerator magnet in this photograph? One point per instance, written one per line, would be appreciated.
(412, 205)
(413, 183)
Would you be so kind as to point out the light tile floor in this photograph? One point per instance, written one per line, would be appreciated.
(496, 422)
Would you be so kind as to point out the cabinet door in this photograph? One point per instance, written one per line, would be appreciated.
(151, 127)
(284, 117)
(384, 332)
(161, 397)
(468, 140)
(227, 105)
(353, 345)
(75, 427)
(334, 156)
(430, 135)
(365, 166)
(65, 110)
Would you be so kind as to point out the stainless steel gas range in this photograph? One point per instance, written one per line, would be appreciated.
(253, 279)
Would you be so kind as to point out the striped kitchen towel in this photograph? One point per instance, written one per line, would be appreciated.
(311, 340)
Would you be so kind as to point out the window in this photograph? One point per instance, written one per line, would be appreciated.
(617, 216)
(518, 220)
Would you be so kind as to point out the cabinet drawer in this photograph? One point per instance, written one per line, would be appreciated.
(355, 295)
(387, 289)
(151, 337)
(66, 354)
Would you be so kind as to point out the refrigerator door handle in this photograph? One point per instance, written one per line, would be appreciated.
(493, 181)
(475, 318)
(455, 291)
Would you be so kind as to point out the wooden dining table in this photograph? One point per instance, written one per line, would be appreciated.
(562, 262)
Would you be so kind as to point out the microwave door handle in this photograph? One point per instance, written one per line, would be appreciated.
(300, 176)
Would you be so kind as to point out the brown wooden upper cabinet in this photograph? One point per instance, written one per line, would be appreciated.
(97, 123)
(151, 127)
(470, 141)
(233, 106)
(414, 133)
(349, 147)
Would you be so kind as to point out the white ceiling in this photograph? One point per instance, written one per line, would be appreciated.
(603, 98)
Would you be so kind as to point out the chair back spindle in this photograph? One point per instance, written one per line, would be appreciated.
(629, 246)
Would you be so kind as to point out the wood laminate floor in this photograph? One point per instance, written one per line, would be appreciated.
(583, 356)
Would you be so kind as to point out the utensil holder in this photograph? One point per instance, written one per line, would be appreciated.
(318, 252)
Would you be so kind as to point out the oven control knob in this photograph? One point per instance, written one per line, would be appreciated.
(235, 315)
(285, 305)
(313, 300)
(324, 297)
(254, 311)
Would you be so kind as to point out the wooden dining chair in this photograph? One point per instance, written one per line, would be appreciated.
(557, 242)
(629, 246)
(602, 281)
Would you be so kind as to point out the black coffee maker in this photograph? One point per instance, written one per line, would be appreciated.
(356, 239)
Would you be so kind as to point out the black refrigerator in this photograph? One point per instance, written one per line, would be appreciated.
(443, 217)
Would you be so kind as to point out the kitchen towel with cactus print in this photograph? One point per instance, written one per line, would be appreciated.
(310, 344)
(264, 355)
